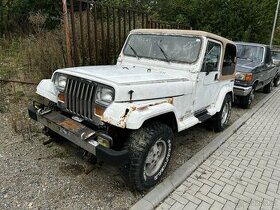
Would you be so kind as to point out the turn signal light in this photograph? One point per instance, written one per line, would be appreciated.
(248, 77)
(99, 111)
(61, 97)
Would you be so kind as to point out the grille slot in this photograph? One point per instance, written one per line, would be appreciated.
(79, 97)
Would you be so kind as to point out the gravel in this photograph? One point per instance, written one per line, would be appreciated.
(57, 175)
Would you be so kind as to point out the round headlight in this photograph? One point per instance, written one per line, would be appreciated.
(60, 81)
(104, 95)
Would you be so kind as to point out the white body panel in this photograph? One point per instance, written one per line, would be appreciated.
(158, 87)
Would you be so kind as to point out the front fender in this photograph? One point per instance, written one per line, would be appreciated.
(133, 115)
(224, 91)
(47, 89)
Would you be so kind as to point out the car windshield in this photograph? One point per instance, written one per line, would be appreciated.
(275, 55)
(248, 52)
(169, 48)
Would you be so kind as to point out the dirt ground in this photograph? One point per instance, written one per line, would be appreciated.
(57, 175)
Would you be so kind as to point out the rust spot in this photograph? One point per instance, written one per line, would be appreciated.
(70, 124)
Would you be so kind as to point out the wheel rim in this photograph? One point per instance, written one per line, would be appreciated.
(252, 96)
(155, 157)
(225, 113)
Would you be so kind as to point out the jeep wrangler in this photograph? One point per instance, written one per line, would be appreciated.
(165, 81)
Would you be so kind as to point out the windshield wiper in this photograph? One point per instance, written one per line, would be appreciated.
(164, 53)
(134, 51)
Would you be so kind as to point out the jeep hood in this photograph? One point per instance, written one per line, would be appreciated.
(144, 83)
(246, 65)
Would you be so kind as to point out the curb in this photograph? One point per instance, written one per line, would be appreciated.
(163, 189)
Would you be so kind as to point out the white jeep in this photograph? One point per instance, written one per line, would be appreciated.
(165, 81)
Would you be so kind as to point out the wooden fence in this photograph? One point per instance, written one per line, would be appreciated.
(98, 31)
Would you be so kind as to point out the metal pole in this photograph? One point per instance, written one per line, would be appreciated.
(274, 24)
(67, 35)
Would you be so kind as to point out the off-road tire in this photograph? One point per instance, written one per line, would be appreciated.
(140, 145)
(267, 88)
(276, 81)
(246, 101)
(220, 119)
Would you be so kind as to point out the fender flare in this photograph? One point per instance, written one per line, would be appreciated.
(127, 115)
(225, 90)
(47, 89)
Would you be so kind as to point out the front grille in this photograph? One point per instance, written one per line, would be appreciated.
(79, 97)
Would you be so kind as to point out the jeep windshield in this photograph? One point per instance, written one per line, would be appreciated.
(249, 52)
(169, 48)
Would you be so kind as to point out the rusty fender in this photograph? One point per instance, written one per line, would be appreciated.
(132, 116)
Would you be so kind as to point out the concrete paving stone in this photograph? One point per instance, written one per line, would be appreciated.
(262, 187)
(181, 189)
(169, 201)
(229, 205)
(194, 181)
(267, 173)
(217, 198)
(231, 182)
(190, 206)
(216, 206)
(267, 204)
(217, 174)
(203, 206)
(216, 189)
(242, 205)
(204, 198)
(264, 196)
(217, 182)
(228, 189)
(192, 198)
(247, 174)
(179, 198)
(272, 187)
(251, 188)
(241, 197)
(255, 204)
(228, 197)
(274, 195)
(239, 188)
(205, 189)
(193, 189)
(177, 206)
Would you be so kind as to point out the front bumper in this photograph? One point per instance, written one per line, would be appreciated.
(241, 91)
(79, 134)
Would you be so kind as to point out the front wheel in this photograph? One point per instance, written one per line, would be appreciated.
(221, 119)
(150, 149)
(246, 101)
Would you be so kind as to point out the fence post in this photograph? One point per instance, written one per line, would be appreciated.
(66, 31)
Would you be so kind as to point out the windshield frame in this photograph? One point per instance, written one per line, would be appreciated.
(164, 59)
(250, 45)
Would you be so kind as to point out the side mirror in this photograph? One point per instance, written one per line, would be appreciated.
(209, 66)
(276, 62)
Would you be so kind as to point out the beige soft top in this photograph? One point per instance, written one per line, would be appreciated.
(182, 32)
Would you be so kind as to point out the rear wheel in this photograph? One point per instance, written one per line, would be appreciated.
(221, 119)
(246, 101)
(150, 149)
(276, 81)
(267, 88)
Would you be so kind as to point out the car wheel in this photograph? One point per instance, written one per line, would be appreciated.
(276, 81)
(221, 119)
(246, 101)
(150, 149)
(267, 88)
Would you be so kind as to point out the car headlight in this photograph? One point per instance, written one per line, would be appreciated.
(60, 81)
(244, 76)
(104, 95)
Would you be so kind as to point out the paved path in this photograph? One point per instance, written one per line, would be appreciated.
(244, 173)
